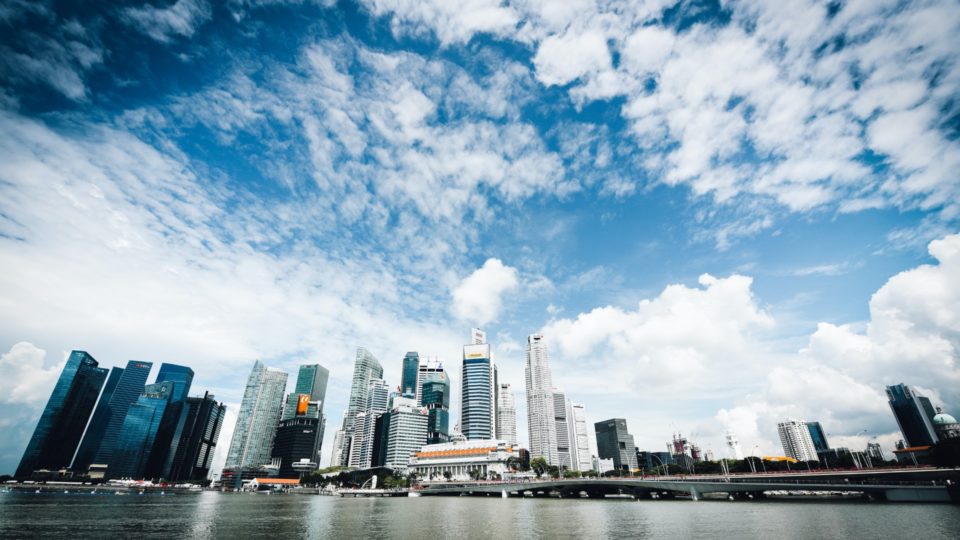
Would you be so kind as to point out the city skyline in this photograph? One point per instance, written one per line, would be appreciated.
(719, 215)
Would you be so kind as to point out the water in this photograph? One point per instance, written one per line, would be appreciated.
(236, 516)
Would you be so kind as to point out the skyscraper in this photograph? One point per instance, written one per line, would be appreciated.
(312, 382)
(914, 414)
(579, 437)
(429, 370)
(796, 441)
(378, 398)
(68, 409)
(562, 429)
(506, 415)
(818, 436)
(541, 419)
(191, 454)
(614, 442)
(257, 419)
(436, 398)
(97, 425)
(477, 405)
(135, 446)
(181, 376)
(365, 368)
(296, 445)
(402, 431)
(410, 374)
(131, 384)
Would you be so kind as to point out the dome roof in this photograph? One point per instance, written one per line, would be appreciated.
(943, 418)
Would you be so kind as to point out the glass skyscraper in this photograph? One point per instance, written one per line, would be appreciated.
(365, 368)
(138, 434)
(65, 416)
(818, 436)
(98, 424)
(541, 417)
(191, 452)
(436, 398)
(252, 442)
(429, 370)
(129, 388)
(614, 442)
(181, 376)
(311, 381)
(410, 374)
(506, 414)
(477, 405)
(914, 414)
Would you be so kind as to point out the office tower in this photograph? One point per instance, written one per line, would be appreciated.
(562, 429)
(181, 376)
(914, 414)
(614, 442)
(296, 445)
(131, 384)
(378, 399)
(98, 424)
(402, 431)
(477, 405)
(429, 370)
(311, 381)
(68, 409)
(252, 443)
(506, 415)
(436, 398)
(409, 374)
(135, 444)
(336, 457)
(579, 437)
(541, 423)
(818, 436)
(796, 440)
(365, 368)
(191, 453)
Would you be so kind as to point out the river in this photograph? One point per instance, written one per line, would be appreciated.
(236, 516)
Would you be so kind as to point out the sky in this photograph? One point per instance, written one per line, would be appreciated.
(719, 214)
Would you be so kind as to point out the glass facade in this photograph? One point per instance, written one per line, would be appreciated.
(139, 431)
(436, 398)
(191, 453)
(311, 381)
(297, 439)
(128, 389)
(818, 436)
(252, 443)
(181, 376)
(477, 405)
(365, 368)
(409, 375)
(914, 414)
(614, 442)
(65, 416)
(97, 425)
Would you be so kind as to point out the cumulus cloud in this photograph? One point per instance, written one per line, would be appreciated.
(27, 377)
(452, 22)
(163, 24)
(478, 297)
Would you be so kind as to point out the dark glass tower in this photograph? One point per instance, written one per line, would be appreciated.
(614, 442)
(98, 424)
(181, 376)
(408, 378)
(311, 381)
(914, 414)
(65, 416)
(818, 436)
(436, 398)
(297, 441)
(192, 451)
(128, 389)
(139, 431)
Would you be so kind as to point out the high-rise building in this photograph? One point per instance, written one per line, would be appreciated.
(61, 425)
(312, 382)
(191, 452)
(477, 405)
(181, 376)
(435, 397)
(914, 414)
(562, 429)
(365, 368)
(297, 445)
(429, 370)
(378, 400)
(97, 425)
(614, 442)
(409, 375)
(506, 415)
(336, 454)
(541, 418)
(252, 442)
(796, 440)
(818, 436)
(136, 443)
(131, 385)
(402, 433)
(579, 437)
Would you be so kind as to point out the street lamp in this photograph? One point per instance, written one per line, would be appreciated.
(665, 471)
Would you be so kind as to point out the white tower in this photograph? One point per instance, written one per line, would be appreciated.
(541, 421)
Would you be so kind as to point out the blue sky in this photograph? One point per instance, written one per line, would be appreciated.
(719, 214)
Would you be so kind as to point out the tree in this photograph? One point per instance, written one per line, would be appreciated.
(447, 476)
(539, 466)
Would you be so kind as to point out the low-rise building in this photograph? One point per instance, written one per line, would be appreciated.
(465, 460)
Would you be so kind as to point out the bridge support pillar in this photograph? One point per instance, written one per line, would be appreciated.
(694, 494)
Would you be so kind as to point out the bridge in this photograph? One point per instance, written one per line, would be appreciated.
(910, 485)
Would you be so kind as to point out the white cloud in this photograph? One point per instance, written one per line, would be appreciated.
(27, 378)
(478, 298)
(453, 22)
(163, 24)
(562, 59)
